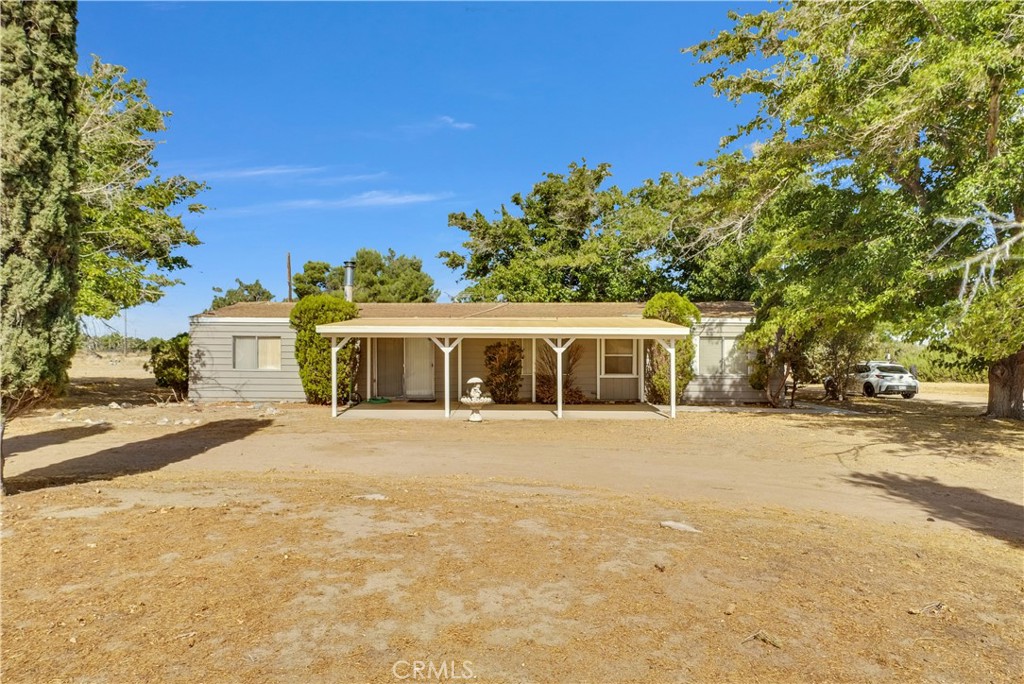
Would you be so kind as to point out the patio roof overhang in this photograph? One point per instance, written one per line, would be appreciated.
(608, 328)
(558, 333)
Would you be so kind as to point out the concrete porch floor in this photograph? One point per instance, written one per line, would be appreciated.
(434, 410)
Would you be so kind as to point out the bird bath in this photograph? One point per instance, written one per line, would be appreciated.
(475, 400)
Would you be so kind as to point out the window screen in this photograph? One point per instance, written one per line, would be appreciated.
(270, 353)
(710, 356)
(618, 357)
(245, 352)
(257, 352)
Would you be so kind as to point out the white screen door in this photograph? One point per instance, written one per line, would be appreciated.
(419, 368)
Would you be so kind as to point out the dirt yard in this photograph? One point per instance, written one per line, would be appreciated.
(164, 542)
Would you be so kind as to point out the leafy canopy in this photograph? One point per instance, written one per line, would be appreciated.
(133, 218)
(378, 277)
(245, 292)
(40, 222)
(884, 167)
(569, 239)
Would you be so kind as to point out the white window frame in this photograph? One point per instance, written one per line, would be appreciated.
(723, 373)
(257, 367)
(603, 355)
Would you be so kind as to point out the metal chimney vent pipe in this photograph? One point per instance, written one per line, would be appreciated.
(350, 280)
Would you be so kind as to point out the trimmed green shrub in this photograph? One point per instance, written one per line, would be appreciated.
(672, 308)
(168, 359)
(313, 351)
(504, 362)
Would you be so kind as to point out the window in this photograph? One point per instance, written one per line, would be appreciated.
(619, 357)
(251, 353)
(721, 356)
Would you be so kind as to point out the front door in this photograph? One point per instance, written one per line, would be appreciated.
(419, 368)
(389, 360)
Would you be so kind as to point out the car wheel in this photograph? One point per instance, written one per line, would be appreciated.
(869, 389)
(908, 395)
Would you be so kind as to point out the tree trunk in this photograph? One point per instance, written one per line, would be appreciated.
(1006, 387)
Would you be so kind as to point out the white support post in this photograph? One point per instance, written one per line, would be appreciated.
(600, 354)
(334, 377)
(670, 347)
(335, 348)
(641, 369)
(559, 348)
(672, 375)
(696, 354)
(369, 368)
(533, 371)
(446, 347)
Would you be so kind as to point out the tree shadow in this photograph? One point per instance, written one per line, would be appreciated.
(137, 457)
(947, 436)
(960, 505)
(24, 443)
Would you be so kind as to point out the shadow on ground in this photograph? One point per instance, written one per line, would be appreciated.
(137, 457)
(960, 505)
(100, 391)
(23, 444)
(948, 436)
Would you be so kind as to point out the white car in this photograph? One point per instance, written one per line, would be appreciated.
(882, 377)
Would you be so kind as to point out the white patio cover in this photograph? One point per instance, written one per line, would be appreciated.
(447, 333)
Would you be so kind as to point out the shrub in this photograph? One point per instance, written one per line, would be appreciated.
(504, 362)
(168, 359)
(313, 351)
(547, 374)
(672, 308)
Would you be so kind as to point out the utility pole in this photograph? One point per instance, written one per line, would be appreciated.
(289, 276)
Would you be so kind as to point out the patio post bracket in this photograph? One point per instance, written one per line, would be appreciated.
(447, 346)
(335, 348)
(559, 346)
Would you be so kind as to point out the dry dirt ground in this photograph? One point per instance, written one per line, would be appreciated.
(269, 543)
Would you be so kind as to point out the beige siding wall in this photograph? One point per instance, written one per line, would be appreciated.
(731, 387)
(620, 389)
(211, 359)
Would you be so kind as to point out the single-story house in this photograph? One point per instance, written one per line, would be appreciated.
(427, 351)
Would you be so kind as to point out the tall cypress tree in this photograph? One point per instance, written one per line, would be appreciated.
(39, 219)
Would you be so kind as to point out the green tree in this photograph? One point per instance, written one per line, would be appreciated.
(38, 211)
(168, 359)
(670, 307)
(133, 218)
(313, 351)
(245, 292)
(391, 278)
(569, 239)
(378, 277)
(909, 115)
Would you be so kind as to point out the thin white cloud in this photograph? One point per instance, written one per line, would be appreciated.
(439, 123)
(372, 198)
(452, 123)
(350, 178)
(261, 172)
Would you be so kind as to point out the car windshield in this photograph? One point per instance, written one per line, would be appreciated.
(893, 369)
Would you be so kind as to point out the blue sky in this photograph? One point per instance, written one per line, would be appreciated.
(325, 127)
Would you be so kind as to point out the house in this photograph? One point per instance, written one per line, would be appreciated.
(427, 351)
